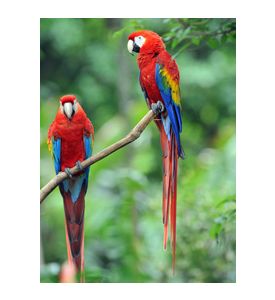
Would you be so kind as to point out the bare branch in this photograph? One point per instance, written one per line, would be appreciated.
(129, 138)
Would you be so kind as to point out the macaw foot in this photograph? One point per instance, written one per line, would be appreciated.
(79, 166)
(68, 172)
(157, 108)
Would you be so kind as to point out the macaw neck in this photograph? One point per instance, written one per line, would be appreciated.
(144, 59)
(149, 52)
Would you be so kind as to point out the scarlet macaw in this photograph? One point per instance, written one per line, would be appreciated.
(159, 81)
(70, 139)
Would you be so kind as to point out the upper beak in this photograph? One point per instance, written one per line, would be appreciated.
(130, 46)
(68, 109)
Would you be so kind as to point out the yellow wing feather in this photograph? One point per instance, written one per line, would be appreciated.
(172, 84)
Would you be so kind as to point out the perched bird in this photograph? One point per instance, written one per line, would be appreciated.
(70, 139)
(159, 81)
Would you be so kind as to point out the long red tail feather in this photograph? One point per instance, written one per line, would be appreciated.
(166, 183)
(74, 227)
(169, 202)
(173, 211)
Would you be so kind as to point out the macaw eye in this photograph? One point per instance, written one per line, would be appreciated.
(140, 40)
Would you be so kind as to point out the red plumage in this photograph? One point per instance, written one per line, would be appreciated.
(151, 51)
(70, 132)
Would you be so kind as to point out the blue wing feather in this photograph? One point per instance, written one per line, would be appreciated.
(87, 146)
(172, 108)
(80, 182)
(88, 152)
(56, 154)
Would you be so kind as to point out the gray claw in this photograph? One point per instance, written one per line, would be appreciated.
(157, 108)
(68, 172)
(79, 166)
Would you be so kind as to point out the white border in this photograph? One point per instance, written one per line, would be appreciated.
(20, 148)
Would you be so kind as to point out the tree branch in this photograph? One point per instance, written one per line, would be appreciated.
(129, 138)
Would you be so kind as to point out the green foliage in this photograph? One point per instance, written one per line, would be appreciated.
(123, 222)
(185, 33)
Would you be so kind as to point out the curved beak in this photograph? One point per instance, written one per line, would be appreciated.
(130, 46)
(68, 109)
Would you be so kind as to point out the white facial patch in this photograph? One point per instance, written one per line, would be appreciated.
(140, 40)
(75, 106)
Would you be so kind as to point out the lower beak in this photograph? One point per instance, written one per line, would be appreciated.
(132, 47)
(136, 48)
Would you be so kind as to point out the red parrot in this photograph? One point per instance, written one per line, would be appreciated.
(159, 80)
(70, 139)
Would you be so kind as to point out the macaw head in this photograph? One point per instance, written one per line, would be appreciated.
(68, 105)
(145, 41)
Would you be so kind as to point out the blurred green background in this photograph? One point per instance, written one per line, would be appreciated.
(123, 221)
